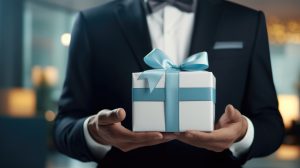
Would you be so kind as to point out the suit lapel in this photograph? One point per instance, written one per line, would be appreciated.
(132, 19)
(205, 25)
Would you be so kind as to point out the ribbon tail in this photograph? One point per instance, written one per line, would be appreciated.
(172, 101)
(152, 77)
(157, 59)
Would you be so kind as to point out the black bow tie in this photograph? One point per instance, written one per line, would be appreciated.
(183, 5)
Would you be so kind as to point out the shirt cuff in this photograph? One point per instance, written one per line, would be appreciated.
(241, 147)
(97, 149)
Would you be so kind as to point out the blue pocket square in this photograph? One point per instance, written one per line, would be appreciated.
(228, 45)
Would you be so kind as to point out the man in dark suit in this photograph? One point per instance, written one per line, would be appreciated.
(109, 43)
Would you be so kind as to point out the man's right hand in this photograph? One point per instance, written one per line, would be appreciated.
(106, 129)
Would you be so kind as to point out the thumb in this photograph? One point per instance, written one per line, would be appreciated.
(231, 115)
(107, 117)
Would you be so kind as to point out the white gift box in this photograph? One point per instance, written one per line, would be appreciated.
(193, 114)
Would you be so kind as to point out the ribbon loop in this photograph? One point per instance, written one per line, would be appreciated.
(158, 60)
(198, 61)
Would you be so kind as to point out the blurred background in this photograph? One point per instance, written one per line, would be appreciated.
(34, 40)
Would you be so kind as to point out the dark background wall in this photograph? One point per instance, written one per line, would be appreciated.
(11, 21)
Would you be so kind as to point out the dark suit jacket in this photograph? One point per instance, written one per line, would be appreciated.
(109, 43)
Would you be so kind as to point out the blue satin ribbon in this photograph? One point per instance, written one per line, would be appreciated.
(184, 94)
(163, 65)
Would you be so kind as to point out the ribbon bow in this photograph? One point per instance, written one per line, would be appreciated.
(161, 64)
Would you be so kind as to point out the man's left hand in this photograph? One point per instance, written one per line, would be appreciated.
(231, 127)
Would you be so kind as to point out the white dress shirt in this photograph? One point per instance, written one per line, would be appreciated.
(171, 31)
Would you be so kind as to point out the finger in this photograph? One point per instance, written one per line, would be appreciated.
(170, 136)
(231, 115)
(217, 140)
(150, 143)
(198, 137)
(106, 117)
(123, 134)
(195, 136)
(127, 146)
(216, 147)
(194, 139)
(220, 139)
(136, 145)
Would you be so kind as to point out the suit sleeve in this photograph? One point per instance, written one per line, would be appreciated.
(260, 104)
(75, 101)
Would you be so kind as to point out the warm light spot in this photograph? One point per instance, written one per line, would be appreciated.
(281, 32)
(50, 115)
(289, 108)
(50, 75)
(288, 152)
(65, 39)
(37, 75)
(44, 76)
(18, 102)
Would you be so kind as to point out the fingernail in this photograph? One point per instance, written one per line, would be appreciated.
(170, 137)
(158, 137)
(116, 111)
(229, 107)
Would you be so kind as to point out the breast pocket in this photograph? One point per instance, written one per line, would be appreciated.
(229, 60)
(223, 45)
(228, 54)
